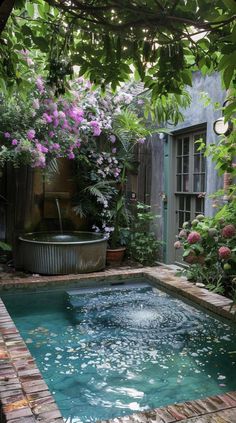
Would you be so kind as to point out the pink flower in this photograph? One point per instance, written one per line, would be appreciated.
(41, 161)
(29, 61)
(71, 155)
(65, 125)
(76, 114)
(51, 134)
(228, 231)
(55, 146)
(14, 142)
(193, 237)
(31, 134)
(47, 118)
(224, 253)
(183, 234)
(112, 138)
(56, 123)
(7, 135)
(40, 84)
(96, 128)
(41, 148)
(113, 150)
(177, 245)
(141, 140)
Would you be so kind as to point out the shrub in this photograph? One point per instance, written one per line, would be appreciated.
(143, 246)
(209, 248)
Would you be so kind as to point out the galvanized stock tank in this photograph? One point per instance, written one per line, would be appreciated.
(54, 253)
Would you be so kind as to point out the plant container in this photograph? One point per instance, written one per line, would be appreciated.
(115, 255)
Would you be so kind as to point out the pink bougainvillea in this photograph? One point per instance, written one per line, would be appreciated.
(194, 237)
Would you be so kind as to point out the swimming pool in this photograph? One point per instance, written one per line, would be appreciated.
(116, 350)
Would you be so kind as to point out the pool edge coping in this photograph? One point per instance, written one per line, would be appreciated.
(19, 371)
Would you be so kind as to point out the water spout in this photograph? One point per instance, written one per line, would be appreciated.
(59, 215)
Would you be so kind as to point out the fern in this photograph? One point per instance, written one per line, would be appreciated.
(4, 246)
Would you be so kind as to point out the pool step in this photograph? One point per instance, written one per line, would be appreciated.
(106, 288)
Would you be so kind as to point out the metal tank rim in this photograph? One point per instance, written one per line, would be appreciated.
(100, 238)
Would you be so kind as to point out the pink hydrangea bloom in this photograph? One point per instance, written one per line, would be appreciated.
(31, 134)
(224, 252)
(183, 234)
(228, 231)
(194, 237)
(177, 245)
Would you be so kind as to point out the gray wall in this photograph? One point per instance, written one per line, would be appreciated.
(196, 114)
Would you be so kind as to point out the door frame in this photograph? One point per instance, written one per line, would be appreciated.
(170, 185)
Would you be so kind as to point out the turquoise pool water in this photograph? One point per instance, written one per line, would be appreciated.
(111, 352)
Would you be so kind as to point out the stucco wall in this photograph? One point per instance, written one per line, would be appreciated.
(197, 114)
(162, 164)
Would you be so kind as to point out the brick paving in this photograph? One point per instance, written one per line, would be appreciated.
(25, 397)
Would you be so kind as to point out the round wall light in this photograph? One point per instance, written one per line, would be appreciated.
(221, 127)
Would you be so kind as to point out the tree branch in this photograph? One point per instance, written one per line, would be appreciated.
(6, 7)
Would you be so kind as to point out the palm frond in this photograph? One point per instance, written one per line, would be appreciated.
(52, 168)
(96, 192)
(128, 127)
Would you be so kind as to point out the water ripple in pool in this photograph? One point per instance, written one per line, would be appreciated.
(110, 353)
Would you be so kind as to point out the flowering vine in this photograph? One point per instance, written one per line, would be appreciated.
(49, 127)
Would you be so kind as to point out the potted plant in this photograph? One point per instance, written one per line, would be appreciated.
(120, 219)
(129, 130)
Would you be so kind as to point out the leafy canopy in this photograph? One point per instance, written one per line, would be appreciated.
(161, 41)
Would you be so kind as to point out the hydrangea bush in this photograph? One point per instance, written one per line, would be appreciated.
(209, 248)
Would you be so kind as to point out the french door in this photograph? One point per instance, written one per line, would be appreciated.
(190, 175)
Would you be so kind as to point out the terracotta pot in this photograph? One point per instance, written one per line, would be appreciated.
(115, 256)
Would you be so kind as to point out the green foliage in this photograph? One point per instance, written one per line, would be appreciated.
(162, 43)
(143, 245)
(224, 151)
(4, 246)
